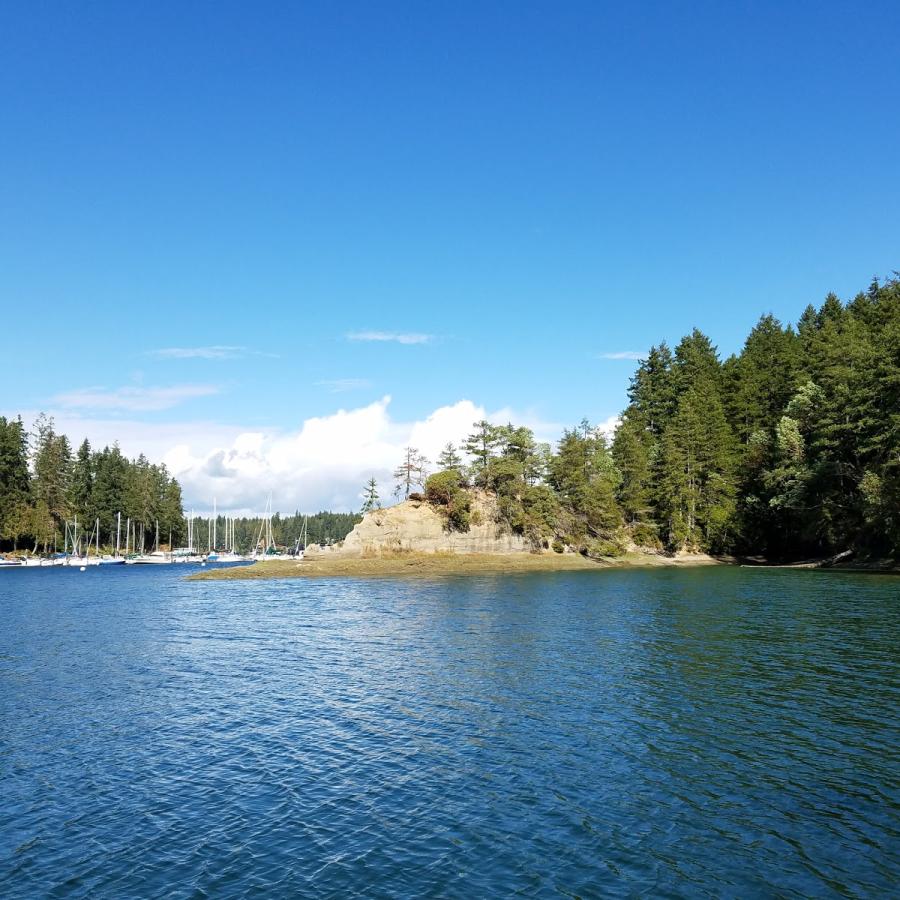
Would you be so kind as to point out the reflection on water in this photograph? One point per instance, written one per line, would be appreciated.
(724, 731)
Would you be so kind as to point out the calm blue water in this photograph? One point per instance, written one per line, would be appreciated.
(717, 732)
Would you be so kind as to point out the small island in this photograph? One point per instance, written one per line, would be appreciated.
(414, 538)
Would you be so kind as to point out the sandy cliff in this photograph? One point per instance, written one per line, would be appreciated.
(415, 525)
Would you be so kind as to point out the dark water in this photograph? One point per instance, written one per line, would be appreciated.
(671, 733)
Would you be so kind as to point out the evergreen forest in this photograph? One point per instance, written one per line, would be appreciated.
(44, 485)
(786, 450)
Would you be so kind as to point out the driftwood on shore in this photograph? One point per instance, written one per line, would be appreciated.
(825, 563)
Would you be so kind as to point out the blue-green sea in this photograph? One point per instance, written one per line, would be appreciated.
(719, 732)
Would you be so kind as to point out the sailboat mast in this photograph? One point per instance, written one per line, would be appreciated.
(118, 532)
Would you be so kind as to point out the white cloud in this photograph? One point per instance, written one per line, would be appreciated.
(340, 385)
(133, 398)
(218, 351)
(390, 336)
(325, 463)
(624, 354)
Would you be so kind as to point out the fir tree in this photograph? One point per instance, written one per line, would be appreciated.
(449, 457)
(370, 496)
(481, 445)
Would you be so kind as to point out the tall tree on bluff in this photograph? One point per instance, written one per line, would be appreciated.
(370, 496)
(412, 472)
(482, 446)
(449, 457)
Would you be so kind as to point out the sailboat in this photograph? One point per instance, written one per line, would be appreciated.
(156, 558)
(229, 554)
(75, 558)
(266, 550)
(116, 560)
(212, 553)
(188, 554)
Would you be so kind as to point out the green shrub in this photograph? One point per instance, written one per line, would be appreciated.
(458, 512)
(442, 487)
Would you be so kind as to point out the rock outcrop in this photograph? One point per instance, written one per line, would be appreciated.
(415, 525)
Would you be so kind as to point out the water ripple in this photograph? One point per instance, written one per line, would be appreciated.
(720, 732)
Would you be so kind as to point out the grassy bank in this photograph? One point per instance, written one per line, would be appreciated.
(389, 565)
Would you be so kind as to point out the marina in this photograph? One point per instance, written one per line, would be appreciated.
(81, 552)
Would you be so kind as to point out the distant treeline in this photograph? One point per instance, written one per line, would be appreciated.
(320, 528)
(790, 448)
(43, 485)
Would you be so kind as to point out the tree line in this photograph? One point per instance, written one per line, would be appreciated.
(789, 448)
(321, 528)
(44, 485)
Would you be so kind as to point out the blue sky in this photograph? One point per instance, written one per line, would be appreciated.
(515, 189)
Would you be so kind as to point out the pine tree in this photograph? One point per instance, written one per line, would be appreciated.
(370, 496)
(585, 477)
(82, 484)
(697, 467)
(482, 445)
(696, 364)
(449, 457)
(763, 378)
(15, 481)
(652, 393)
(632, 449)
(110, 489)
(52, 463)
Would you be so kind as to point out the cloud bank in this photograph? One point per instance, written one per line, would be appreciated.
(325, 463)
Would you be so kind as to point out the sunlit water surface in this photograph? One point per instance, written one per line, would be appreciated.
(717, 732)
